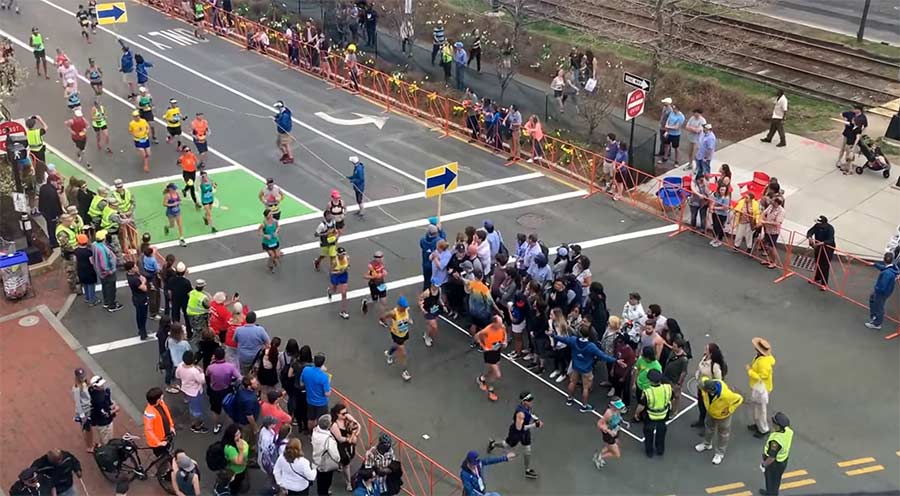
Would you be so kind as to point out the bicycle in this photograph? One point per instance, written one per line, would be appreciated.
(120, 459)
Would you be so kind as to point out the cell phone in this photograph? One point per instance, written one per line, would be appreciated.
(236, 295)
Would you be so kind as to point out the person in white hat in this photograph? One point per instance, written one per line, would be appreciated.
(663, 117)
(284, 124)
(705, 149)
(173, 118)
(103, 410)
(73, 99)
(358, 180)
(77, 126)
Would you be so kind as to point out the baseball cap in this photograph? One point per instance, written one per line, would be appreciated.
(822, 219)
(432, 229)
(98, 381)
(526, 396)
(142, 89)
(707, 126)
(100, 235)
(173, 101)
(78, 112)
(335, 194)
(666, 101)
(79, 372)
(655, 376)
(472, 456)
(279, 104)
(270, 181)
(81, 239)
(200, 283)
(135, 113)
(353, 159)
(180, 268)
(402, 303)
(118, 183)
(433, 221)
(341, 250)
(379, 254)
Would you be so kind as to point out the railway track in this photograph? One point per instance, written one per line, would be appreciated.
(821, 69)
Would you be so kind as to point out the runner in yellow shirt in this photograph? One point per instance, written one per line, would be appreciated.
(173, 118)
(140, 132)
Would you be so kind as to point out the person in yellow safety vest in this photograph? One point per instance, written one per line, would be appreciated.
(40, 52)
(446, 61)
(657, 401)
(66, 236)
(77, 222)
(110, 221)
(96, 207)
(720, 403)
(760, 373)
(198, 308)
(126, 202)
(776, 453)
(35, 130)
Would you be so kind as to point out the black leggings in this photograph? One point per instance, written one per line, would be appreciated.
(622, 389)
(719, 225)
(323, 482)
(476, 56)
(189, 179)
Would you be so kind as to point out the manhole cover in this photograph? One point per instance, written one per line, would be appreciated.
(29, 321)
(803, 262)
(531, 221)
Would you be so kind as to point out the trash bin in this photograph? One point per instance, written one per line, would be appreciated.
(14, 273)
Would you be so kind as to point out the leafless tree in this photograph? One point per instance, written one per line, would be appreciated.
(595, 106)
(506, 53)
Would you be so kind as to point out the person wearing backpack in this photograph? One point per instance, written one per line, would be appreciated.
(325, 455)
(272, 442)
(220, 376)
(185, 475)
(294, 474)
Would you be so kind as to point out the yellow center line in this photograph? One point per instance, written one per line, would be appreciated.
(795, 473)
(865, 470)
(858, 461)
(797, 483)
(724, 487)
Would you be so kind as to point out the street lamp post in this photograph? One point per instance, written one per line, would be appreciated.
(862, 21)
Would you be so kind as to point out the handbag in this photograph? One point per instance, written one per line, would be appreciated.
(590, 85)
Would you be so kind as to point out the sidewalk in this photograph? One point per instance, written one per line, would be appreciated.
(38, 360)
(864, 209)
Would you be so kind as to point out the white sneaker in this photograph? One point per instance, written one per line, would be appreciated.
(872, 326)
(428, 340)
(390, 358)
(611, 393)
(703, 447)
(561, 378)
(717, 458)
(712, 242)
(406, 375)
(554, 374)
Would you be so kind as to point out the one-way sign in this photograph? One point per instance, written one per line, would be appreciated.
(637, 81)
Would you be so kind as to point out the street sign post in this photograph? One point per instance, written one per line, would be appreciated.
(636, 81)
(10, 127)
(111, 13)
(634, 106)
(440, 180)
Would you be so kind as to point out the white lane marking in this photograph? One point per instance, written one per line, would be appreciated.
(361, 120)
(178, 177)
(267, 106)
(163, 123)
(352, 208)
(357, 293)
(314, 245)
(74, 163)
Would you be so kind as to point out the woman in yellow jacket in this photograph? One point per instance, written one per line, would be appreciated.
(760, 373)
(721, 402)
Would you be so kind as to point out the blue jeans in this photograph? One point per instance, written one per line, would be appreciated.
(876, 307)
(140, 316)
(460, 77)
(702, 168)
(90, 293)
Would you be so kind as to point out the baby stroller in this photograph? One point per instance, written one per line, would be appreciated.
(875, 159)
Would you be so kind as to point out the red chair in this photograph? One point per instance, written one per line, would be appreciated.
(756, 186)
(686, 189)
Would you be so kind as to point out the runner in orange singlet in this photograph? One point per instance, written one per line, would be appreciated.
(492, 340)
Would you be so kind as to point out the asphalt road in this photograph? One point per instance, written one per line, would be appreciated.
(883, 24)
(836, 380)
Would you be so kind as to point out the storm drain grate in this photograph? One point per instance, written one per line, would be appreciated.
(803, 262)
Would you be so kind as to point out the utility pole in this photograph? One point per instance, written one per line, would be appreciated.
(862, 21)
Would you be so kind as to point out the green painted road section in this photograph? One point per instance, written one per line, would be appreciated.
(236, 202)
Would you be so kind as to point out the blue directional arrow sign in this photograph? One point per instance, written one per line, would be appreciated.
(112, 13)
(440, 180)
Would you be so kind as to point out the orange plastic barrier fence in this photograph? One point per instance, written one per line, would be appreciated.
(422, 476)
(851, 277)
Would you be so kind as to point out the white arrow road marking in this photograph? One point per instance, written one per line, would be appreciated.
(362, 120)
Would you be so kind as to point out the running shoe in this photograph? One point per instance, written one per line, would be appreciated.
(481, 384)
(718, 457)
(389, 357)
(214, 230)
(530, 473)
(554, 374)
(199, 430)
(428, 341)
(344, 315)
(406, 375)
(217, 428)
(166, 230)
(316, 264)
(513, 355)
(205, 220)
(88, 166)
(382, 323)
(365, 306)
(328, 292)
(491, 445)
(570, 401)
(182, 243)
(560, 378)
(493, 396)
(115, 308)
(586, 408)
(610, 393)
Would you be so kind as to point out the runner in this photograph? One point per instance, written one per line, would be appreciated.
(173, 120)
(339, 276)
(78, 131)
(199, 21)
(188, 162)
(98, 122)
(283, 126)
(37, 47)
(207, 198)
(73, 99)
(83, 16)
(375, 274)
(140, 133)
(4, 5)
(524, 420)
(609, 424)
(492, 339)
(126, 67)
(92, 11)
(200, 131)
(328, 237)
(271, 196)
(269, 230)
(432, 305)
(172, 202)
(337, 209)
(145, 106)
(398, 321)
(95, 76)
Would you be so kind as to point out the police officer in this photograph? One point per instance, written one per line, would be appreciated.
(198, 308)
(111, 222)
(776, 453)
(657, 401)
(98, 202)
(524, 420)
(66, 237)
(126, 202)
